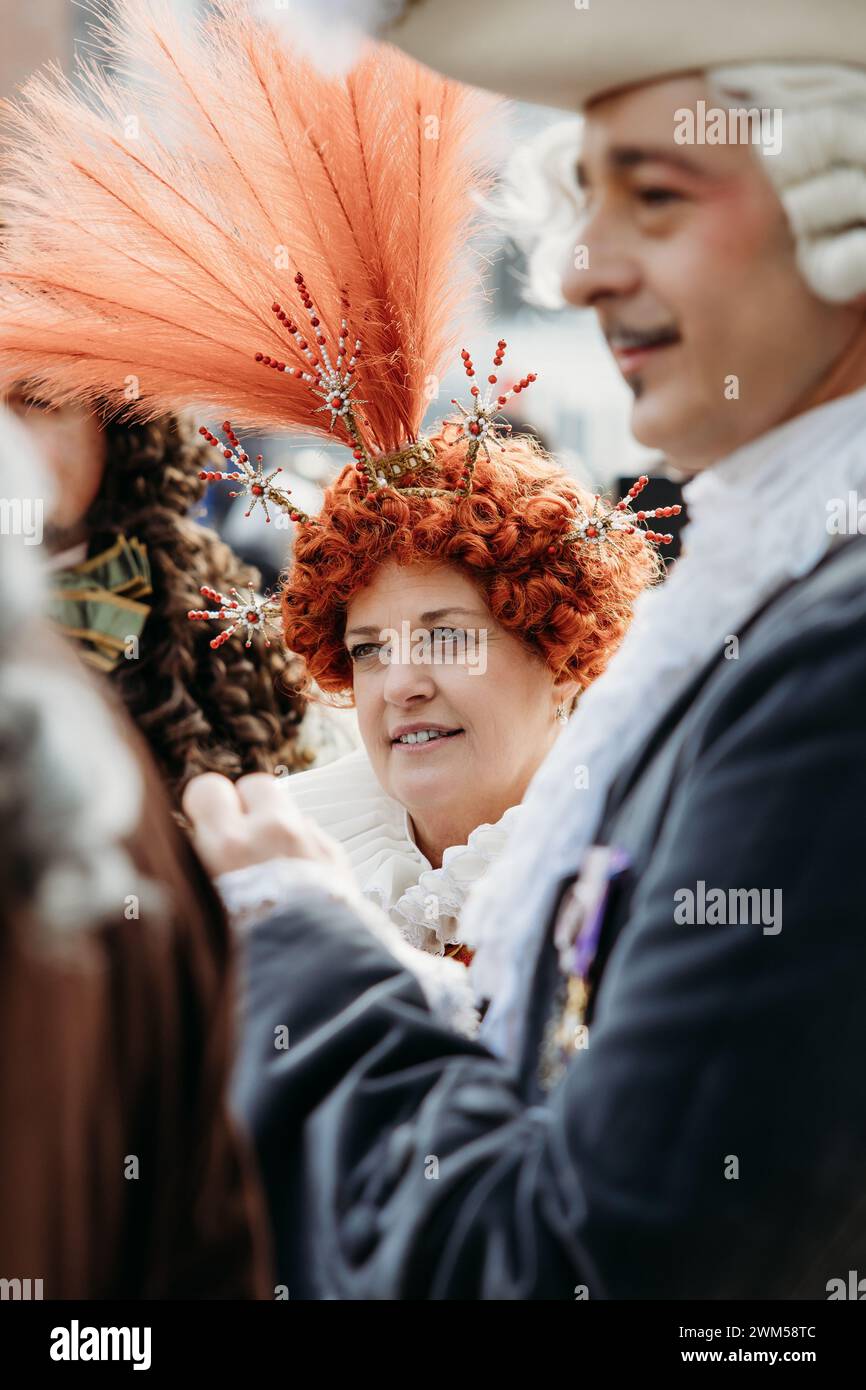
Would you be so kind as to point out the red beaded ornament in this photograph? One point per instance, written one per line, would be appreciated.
(255, 483)
(479, 424)
(254, 614)
(604, 521)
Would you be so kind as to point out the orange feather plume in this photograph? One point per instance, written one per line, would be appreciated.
(150, 226)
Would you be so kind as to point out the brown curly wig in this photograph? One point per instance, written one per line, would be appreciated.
(571, 603)
(233, 710)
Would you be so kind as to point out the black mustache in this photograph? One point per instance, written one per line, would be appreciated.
(642, 338)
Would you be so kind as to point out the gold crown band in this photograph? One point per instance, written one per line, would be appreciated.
(419, 454)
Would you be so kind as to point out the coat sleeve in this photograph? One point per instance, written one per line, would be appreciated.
(710, 1141)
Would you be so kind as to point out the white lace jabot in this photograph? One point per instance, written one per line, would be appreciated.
(346, 800)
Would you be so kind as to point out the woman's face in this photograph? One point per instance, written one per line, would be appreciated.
(429, 659)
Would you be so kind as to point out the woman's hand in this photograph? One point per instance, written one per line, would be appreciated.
(236, 824)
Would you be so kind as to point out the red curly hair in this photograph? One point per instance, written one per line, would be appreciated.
(571, 604)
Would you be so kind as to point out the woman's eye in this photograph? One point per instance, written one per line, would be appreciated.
(364, 651)
(654, 197)
(447, 634)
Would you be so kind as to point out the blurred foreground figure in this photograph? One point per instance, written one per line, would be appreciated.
(120, 1173)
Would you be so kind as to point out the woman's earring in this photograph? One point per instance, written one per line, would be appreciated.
(561, 715)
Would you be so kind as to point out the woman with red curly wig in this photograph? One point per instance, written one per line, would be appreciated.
(462, 630)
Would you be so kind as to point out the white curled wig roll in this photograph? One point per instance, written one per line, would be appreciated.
(538, 205)
(819, 172)
(69, 789)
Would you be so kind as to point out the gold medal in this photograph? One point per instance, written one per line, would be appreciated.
(576, 933)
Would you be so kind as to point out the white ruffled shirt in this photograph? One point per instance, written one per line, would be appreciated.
(375, 831)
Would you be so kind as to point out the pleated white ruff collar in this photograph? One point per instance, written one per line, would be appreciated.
(344, 797)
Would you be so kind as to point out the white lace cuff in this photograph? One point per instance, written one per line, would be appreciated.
(260, 890)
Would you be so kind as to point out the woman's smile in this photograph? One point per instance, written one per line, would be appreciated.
(423, 738)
